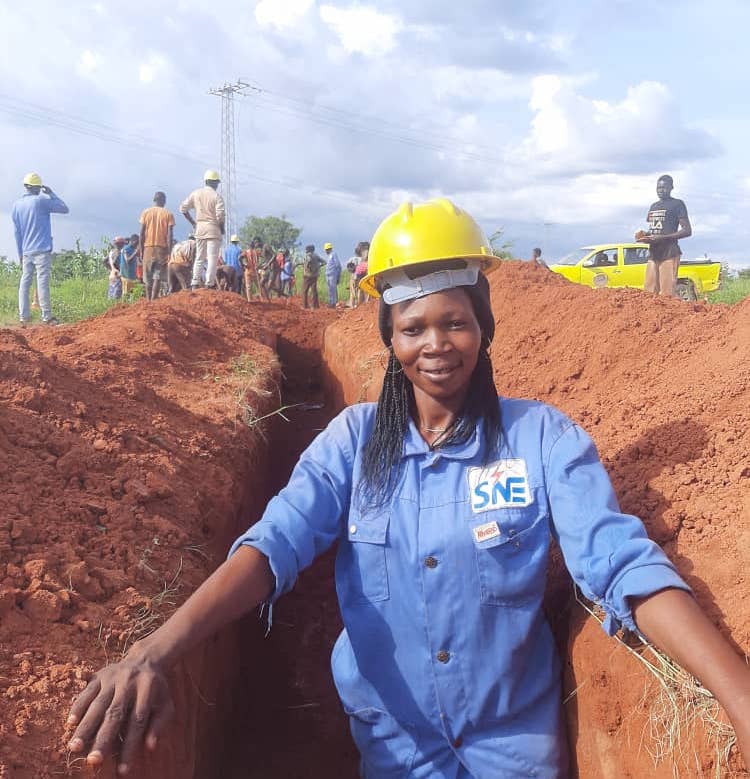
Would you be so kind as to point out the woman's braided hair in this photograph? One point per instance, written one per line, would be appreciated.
(383, 451)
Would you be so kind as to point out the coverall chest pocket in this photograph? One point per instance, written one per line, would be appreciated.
(361, 565)
(511, 547)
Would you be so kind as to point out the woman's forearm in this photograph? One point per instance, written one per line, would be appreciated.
(673, 621)
(233, 589)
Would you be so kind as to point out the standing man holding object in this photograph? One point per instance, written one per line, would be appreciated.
(157, 226)
(668, 223)
(33, 228)
(333, 273)
(208, 225)
(311, 269)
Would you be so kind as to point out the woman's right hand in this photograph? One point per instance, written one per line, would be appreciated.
(123, 705)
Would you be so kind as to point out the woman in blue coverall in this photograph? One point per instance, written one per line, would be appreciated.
(443, 500)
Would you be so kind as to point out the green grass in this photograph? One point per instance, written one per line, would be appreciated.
(732, 291)
(72, 299)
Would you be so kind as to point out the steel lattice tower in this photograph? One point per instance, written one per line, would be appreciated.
(228, 156)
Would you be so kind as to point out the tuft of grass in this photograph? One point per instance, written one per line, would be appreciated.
(240, 381)
(682, 703)
(151, 616)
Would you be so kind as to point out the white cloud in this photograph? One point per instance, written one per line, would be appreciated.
(88, 63)
(281, 14)
(361, 29)
(150, 69)
(487, 85)
(571, 133)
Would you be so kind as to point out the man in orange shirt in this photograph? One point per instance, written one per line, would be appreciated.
(157, 226)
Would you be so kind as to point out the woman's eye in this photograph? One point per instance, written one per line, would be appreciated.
(456, 324)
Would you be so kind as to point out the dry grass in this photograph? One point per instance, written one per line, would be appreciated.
(243, 380)
(153, 614)
(680, 711)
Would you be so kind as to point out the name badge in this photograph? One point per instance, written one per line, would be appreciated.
(486, 532)
(503, 484)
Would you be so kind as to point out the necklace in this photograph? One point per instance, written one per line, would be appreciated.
(437, 429)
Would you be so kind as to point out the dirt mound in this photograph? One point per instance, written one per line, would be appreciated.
(131, 454)
(129, 447)
(663, 388)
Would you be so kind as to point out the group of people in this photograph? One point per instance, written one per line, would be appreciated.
(165, 265)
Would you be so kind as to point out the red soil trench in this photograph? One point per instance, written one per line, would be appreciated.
(127, 467)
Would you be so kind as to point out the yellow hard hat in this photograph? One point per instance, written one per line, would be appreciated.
(234, 239)
(327, 246)
(211, 175)
(32, 180)
(425, 232)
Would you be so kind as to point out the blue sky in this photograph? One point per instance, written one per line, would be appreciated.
(548, 120)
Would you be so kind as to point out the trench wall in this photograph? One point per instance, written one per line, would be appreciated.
(662, 387)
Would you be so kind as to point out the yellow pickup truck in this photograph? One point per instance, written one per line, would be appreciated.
(624, 265)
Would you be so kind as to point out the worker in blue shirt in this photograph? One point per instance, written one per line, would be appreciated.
(442, 499)
(231, 258)
(333, 274)
(33, 229)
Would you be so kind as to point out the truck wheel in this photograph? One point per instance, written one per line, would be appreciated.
(686, 290)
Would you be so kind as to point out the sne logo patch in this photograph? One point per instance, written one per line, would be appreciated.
(501, 485)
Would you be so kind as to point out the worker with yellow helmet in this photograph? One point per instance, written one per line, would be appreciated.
(333, 273)
(442, 499)
(208, 225)
(33, 230)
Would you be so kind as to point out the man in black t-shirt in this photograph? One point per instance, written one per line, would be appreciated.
(667, 223)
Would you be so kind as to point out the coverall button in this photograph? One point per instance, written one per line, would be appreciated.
(352, 529)
(458, 742)
(443, 656)
(431, 562)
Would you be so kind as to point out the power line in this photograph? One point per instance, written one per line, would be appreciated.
(467, 154)
(107, 133)
(373, 121)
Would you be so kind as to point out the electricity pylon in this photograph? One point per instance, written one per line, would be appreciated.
(228, 156)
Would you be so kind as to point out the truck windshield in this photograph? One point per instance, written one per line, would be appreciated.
(574, 257)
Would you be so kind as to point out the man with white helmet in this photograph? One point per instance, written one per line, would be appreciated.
(232, 263)
(33, 228)
(208, 225)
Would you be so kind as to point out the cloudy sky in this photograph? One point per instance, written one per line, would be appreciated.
(548, 119)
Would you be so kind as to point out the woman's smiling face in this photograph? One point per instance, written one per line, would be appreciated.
(437, 340)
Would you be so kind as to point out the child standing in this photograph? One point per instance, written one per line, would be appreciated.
(114, 292)
(129, 264)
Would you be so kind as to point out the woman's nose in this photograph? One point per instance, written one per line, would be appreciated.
(435, 341)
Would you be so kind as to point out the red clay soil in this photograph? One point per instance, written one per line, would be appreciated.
(663, 386)
(126, 468)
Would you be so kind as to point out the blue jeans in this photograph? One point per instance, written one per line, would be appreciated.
(332, 280)
(42, 262)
